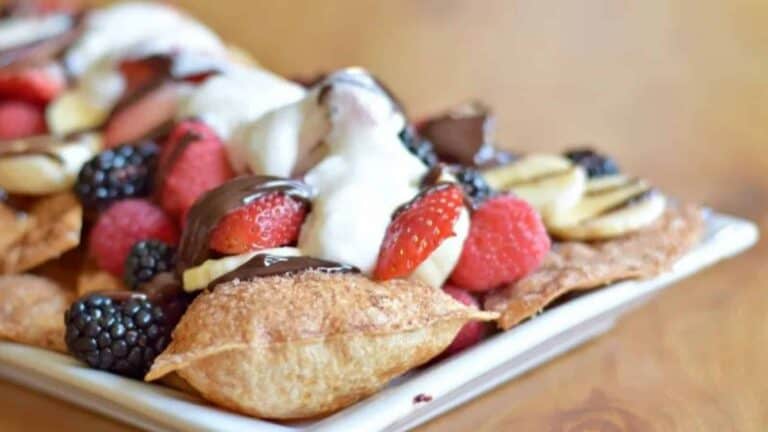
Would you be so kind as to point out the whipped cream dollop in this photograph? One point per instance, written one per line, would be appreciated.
(347, 127)
(18, 31)
(159, 28)
(238, 95)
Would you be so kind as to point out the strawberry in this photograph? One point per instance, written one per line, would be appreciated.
(418, 229)
(38, 84)
(271, 221)
(192, 162)
(506, 241)
(19, 119)
(140, 117)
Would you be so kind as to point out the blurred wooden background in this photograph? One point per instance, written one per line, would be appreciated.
(677, 90)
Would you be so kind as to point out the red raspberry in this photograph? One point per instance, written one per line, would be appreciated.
(418, 229)
(123, 225)
(142, 116)
(272, 221)
(473, 331)
(38, 84)
(506, 241)
(190, 171)
(20, 119)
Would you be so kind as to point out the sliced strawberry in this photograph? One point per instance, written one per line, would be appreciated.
(271, 221)
(137, 118)
(19, 119)
(192, 162)
(38, 84)
(418, 229)
(141, 72)
(507, 240)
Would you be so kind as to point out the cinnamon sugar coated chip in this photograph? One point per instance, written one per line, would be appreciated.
(576, 266)
(32, 311)
(93, 279)
(299, 346)
(52, 227)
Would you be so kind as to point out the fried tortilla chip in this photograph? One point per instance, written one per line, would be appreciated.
(53, 227)
(32, 311)
(289, 347)
(577, 266)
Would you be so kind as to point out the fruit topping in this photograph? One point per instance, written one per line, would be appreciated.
(72, 112)
(192, 162)
(19, 119)
(118, 173)
(147, 259)
(507, 240)
(417, 229)
(198, 277)
(597, 165)
(124, 224)
(464, 135)
(139, 117)
(37, 84)
(473, 331)
(418, 146)
(270, 221)
(44, 164)
(122, 334)
(473, 182)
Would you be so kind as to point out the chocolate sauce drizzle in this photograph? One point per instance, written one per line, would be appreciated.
(265, 265)
(43, 145)
(215, 204)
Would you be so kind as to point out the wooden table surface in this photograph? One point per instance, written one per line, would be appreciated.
(676, 90)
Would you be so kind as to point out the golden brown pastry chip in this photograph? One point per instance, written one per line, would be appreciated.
(32, 311)
(53, 227)
(93, 279)
(576, 266)
(13, 226)
(292, 347)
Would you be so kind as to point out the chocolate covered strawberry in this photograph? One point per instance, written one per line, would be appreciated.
(417, 229)
(270, 221)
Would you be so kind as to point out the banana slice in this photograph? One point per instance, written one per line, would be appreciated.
(525, 169)
(550, 183)
(627, 218)
(41, 168)
(599, 202)
(73, 112)
(197, 278)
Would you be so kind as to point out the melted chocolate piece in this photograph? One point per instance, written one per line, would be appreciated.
(465, 136)
(42, 145)
(265, 265)
(215, 204)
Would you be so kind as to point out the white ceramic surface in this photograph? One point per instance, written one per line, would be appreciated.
(449, 383)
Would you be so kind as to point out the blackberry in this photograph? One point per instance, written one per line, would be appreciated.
(120, 333)
(147, 259)
(472, 181)
(596, 164)
(122, 172)
(418, 146)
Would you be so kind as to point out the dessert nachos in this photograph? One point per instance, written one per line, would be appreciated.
(283, 249)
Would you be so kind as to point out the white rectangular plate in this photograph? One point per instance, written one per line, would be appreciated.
(449, 383)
